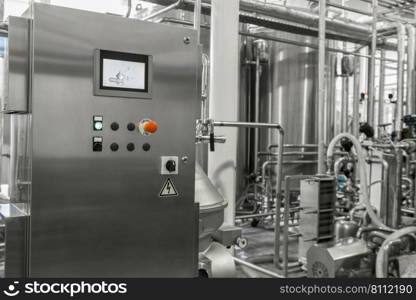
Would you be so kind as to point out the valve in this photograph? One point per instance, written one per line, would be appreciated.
(205, 134)
(346, 144)
(241, 242)
(367, 130)
(391, 96)
(211, 142)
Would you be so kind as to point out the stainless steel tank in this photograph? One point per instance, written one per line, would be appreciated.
(292, 99)
(288, 96)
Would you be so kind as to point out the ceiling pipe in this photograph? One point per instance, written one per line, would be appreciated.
(265, 15)
(174, 5)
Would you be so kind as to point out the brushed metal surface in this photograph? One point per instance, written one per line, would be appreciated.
(294, 97)
(13, 233)
(98, 213)
(16, 83)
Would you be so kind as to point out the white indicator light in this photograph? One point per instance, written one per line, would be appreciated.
(98, 125)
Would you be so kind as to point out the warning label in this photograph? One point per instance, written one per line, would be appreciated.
(168, 189)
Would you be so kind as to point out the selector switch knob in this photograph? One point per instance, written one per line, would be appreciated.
(171, 166)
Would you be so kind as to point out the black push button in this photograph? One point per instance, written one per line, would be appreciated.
(171, 166)
(146, 147)
(130, 147)
(114, 126)
(131, 126)
(97, 147)
(114, 147)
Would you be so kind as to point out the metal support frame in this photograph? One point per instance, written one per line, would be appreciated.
(279, 166)
(197, 19)
(372, 65)
(410, 84)
(381, 91)
(398, 125)
(356, 98)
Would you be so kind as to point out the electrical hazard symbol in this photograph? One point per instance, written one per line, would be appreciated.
(168, 189)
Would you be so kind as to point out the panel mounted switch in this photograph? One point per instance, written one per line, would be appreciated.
(169, 165)
(97, 144)
(98, 123)
(147, 126)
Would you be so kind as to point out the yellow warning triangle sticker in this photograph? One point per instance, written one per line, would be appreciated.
(168, 189)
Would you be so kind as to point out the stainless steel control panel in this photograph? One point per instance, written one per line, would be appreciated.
(100, 205)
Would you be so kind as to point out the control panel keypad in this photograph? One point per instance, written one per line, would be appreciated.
(144, 127)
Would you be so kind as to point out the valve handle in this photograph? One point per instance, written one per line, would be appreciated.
(211, 142)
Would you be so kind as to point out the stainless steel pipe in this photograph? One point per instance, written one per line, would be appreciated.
(381, 91)
(257, 268)
(321, 87)
(197, 19)
(383, 254)
(398, 125)
(410, 82)
(166, 9)
(339, 28)
(257, 105)
(279, 161)
(356, 98)
(372, 64)
(309, 45)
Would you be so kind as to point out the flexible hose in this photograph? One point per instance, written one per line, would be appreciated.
(128, 9)
(383, 253)
(363, 174)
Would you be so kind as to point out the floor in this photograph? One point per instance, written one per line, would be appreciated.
(261, 242)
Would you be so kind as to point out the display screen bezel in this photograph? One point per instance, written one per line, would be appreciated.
(129, 57)
(108, 91)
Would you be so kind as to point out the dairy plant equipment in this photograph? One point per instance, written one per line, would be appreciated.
(98, 187)
(340, 192)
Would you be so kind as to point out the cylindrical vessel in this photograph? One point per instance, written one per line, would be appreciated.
(289, 96)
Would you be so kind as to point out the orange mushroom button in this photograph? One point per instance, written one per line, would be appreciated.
(150, 127)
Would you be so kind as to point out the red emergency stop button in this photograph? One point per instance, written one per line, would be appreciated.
(147, 126)
(150, 126)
